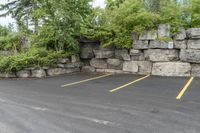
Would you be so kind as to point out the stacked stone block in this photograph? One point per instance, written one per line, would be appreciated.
(150, 54)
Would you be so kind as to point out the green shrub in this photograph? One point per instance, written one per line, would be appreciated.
(35, 57)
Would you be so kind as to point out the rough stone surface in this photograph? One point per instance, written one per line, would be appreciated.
(195, 70)
(194, 44)
(88, 69)
(148, 35)
(190, 55)
(87, 51)
(130, 66)
(59, 71)
(135, 52)
(193, 33)
(161, 55)
(38, 73)
(138, 44)
(180, 44)
(23, 74)
(145, 67)
(75, 58)
(114, 63)
(164, 30)
(181, 35)
(74, 65)
(158, 44)
(98, 63)
(8, 75)
(63, 60)
(178, 69)
(122, 54)
(138, 57)
(102, 54)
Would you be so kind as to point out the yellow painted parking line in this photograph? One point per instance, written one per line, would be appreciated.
(82, 81)
(135, 81)
(184, 88)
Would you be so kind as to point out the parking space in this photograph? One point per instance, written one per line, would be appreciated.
(101, 103)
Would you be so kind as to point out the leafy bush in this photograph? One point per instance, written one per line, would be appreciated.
(35, 57)
(114, 24)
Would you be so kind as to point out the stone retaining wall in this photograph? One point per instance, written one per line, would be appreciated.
(153, 52)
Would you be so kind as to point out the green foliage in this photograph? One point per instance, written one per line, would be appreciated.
(35, 57)
(114, 24)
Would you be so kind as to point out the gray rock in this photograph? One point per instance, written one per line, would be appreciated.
(135, 52)
(74, 65)
(63, 60)
(61, 65)
(135, 36)
(140, 45)
(23, 74)
(145, 67)
(75, 58)
(98, 63)
(130, 66)
(161, 55)
(138, 57)
(195, 70)
(180, 44)
(60, 71)
(178, 69)
(114, 64)
(164, 30)
(148, 35)
(113, 71)
(193, 33)
(104, 54)
(181, 35)
(190, 55)
(7, 75)
(38, 73)
(88, 69)
(158, 44)
(194, 44)
(122, 54)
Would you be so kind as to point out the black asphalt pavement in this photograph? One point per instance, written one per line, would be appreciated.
(147, 106)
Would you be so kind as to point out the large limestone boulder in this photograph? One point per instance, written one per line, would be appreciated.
(161, 55)
(122, 54)
(190, 55)
(145, 67)
(195, 70)
(193, 33)
(130, 66)
(194, 44)
(104, 54)
(7, 75)
(135, 52)
(148, 35)
(158, 44)
(181, 35)
(114, 64)
(180, 44)
(23, 74)
(178, 69)
(98, 63)
(38, 73)
(88, 69)
(63, 60)
(60, 71)
(138, 44)
(164, 30)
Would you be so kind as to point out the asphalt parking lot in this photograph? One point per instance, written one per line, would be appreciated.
(100, 103)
